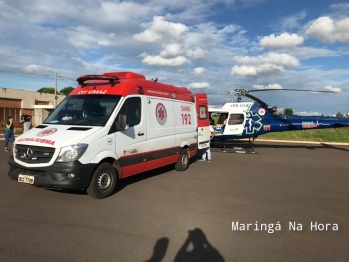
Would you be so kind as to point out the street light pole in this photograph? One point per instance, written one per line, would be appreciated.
(56, 89)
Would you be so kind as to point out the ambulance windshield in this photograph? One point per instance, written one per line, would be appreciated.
(84, 110)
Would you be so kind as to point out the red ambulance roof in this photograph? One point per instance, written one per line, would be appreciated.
(127, 83)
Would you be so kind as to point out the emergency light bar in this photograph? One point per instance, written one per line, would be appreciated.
(81, 80)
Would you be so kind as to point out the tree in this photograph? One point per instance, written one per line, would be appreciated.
(51, 90)
(66, 91)
(288, 111)
(48, 90)
(339, 114)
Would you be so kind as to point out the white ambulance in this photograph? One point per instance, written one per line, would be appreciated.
(110, 127)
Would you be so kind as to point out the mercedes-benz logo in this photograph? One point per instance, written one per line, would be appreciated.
(28, 153)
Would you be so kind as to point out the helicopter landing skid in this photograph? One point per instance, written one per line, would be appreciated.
(234, 147)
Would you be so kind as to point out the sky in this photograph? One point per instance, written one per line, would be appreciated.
(208, 46)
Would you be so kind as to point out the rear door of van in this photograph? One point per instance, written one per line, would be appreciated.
(204, 133)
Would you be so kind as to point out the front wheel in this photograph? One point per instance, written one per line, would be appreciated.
(183, 161)
(103, 181)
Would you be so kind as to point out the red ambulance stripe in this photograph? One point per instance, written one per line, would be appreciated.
(132, 170)
(149, 165)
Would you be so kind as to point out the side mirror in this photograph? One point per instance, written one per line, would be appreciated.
(121, 123)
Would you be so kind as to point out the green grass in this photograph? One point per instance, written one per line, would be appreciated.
(315, 135)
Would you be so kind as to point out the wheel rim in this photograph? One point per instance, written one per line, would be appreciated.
(104, 180)
(184, 160)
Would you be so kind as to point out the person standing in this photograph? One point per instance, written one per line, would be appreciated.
(9, 132)
(27, 124)
(25, 120)
(207, 150)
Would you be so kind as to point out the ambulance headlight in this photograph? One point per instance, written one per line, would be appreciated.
(14, 150)
(71, 153)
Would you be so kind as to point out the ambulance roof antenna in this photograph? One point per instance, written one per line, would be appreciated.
(94, 82)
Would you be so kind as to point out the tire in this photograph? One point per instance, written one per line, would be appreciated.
(103, 181)
(183, 161)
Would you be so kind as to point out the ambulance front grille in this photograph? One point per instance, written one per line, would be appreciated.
(34, 154)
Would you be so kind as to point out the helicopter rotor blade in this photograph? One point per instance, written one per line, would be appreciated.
(256, 99)
(290, 89)
(246, 91)
(228, 93)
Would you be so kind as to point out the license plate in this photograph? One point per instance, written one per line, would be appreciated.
(26, 179)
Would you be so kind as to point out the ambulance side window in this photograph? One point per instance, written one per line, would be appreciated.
(132, 109)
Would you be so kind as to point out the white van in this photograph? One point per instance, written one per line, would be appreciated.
(110, 127)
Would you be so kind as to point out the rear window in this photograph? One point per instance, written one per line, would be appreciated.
(202, 112)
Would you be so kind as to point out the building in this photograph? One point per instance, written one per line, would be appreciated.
(14, 102)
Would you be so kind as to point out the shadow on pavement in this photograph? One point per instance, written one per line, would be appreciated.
(195, 248)
(148, 174)
(122, 183)
(160, 249)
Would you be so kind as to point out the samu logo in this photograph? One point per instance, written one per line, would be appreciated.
(47, 132)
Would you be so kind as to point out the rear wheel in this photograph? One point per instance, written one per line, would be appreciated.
(103, 181)
(183, 161)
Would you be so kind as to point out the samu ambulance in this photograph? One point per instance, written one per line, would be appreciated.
(110, 127)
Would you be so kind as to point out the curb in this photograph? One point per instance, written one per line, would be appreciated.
(302, 142)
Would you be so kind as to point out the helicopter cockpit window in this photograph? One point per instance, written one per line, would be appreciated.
(222, 118)
(236, 119)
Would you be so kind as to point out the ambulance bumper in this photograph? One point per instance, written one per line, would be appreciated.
(71, 175)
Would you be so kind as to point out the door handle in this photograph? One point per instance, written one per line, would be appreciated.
(140, 134)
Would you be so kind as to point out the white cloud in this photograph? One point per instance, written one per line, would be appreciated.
(326, 30)
(284, 40)
(160, 29)
(293, 20)
(333, 89)
(341, 9)
(171, 50)
(196, 53)
(170, 62)
(306, 52)
(37, 68)
(198, 85)
(255, 70)
(271, 58)
(199, 70)
(263, 64)
(270, 86)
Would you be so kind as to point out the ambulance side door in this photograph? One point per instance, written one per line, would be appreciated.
(161, 135)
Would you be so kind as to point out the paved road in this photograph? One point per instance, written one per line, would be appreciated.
(150, 215)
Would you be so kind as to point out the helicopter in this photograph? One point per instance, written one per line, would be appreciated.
(241, 120)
